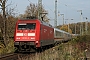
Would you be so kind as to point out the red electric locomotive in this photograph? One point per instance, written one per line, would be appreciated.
(32, 34)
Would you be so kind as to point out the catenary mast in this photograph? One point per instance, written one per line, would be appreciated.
(39, 9)
(55, 21)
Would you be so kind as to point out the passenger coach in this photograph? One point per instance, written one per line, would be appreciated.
(61, 36)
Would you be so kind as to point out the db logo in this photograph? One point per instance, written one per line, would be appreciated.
(25, 34)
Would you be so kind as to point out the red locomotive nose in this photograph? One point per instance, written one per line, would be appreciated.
(25, 34)
(25, 30)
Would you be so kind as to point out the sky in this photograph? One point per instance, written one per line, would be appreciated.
(70, 8)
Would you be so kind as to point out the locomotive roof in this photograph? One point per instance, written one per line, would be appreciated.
(42, 22)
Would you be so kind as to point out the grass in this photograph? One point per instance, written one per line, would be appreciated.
(73, 50)
(8, 49)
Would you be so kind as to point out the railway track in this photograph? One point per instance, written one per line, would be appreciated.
(22, 56)
(11, 56)
(16, 56)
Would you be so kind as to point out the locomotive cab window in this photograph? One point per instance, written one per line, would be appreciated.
(30, 26)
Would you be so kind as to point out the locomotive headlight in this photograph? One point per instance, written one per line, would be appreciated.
(32, 38)
(17, 38)
(36, 42)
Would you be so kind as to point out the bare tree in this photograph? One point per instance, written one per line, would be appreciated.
(32, 10)
(5, 14)
(2, 4)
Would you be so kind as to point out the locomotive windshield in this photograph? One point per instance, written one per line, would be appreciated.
(26, 26)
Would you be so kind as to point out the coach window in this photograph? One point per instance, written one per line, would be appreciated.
(58, 33)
